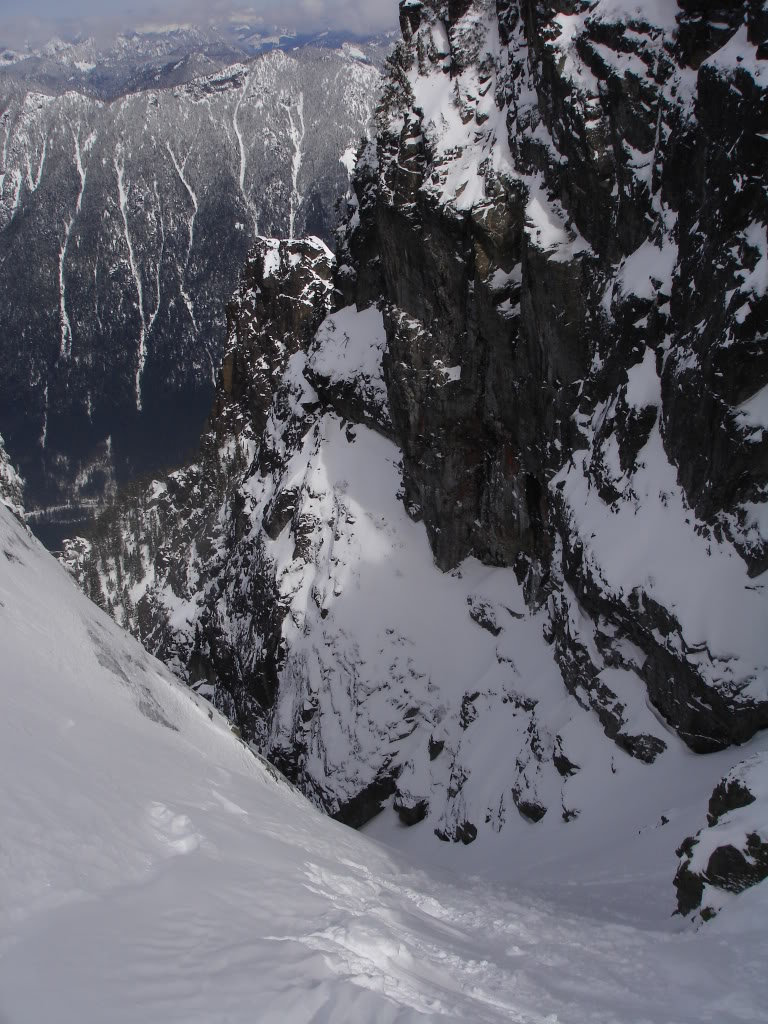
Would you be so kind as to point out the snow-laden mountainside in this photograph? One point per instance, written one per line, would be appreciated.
(123, 227)
(153, 868)
(11, 484)
(477, 529)
(286, 577)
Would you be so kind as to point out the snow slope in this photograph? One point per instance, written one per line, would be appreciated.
(153, 869)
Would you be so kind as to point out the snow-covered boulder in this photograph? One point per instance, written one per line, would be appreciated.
(731, 853)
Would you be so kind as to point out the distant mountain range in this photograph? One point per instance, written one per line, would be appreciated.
(155, 57)
(133, 181)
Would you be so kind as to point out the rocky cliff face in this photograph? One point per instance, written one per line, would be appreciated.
(490, 539)
(593, 203)
(123, 228)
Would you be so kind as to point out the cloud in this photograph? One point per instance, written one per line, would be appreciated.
(42, 19)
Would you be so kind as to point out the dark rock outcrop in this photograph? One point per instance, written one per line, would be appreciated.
(731, 853)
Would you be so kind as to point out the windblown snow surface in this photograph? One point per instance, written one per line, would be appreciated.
(153, 869)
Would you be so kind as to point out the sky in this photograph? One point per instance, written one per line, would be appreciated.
(38, 20)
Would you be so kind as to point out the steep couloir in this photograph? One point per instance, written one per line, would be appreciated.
(490, 539)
